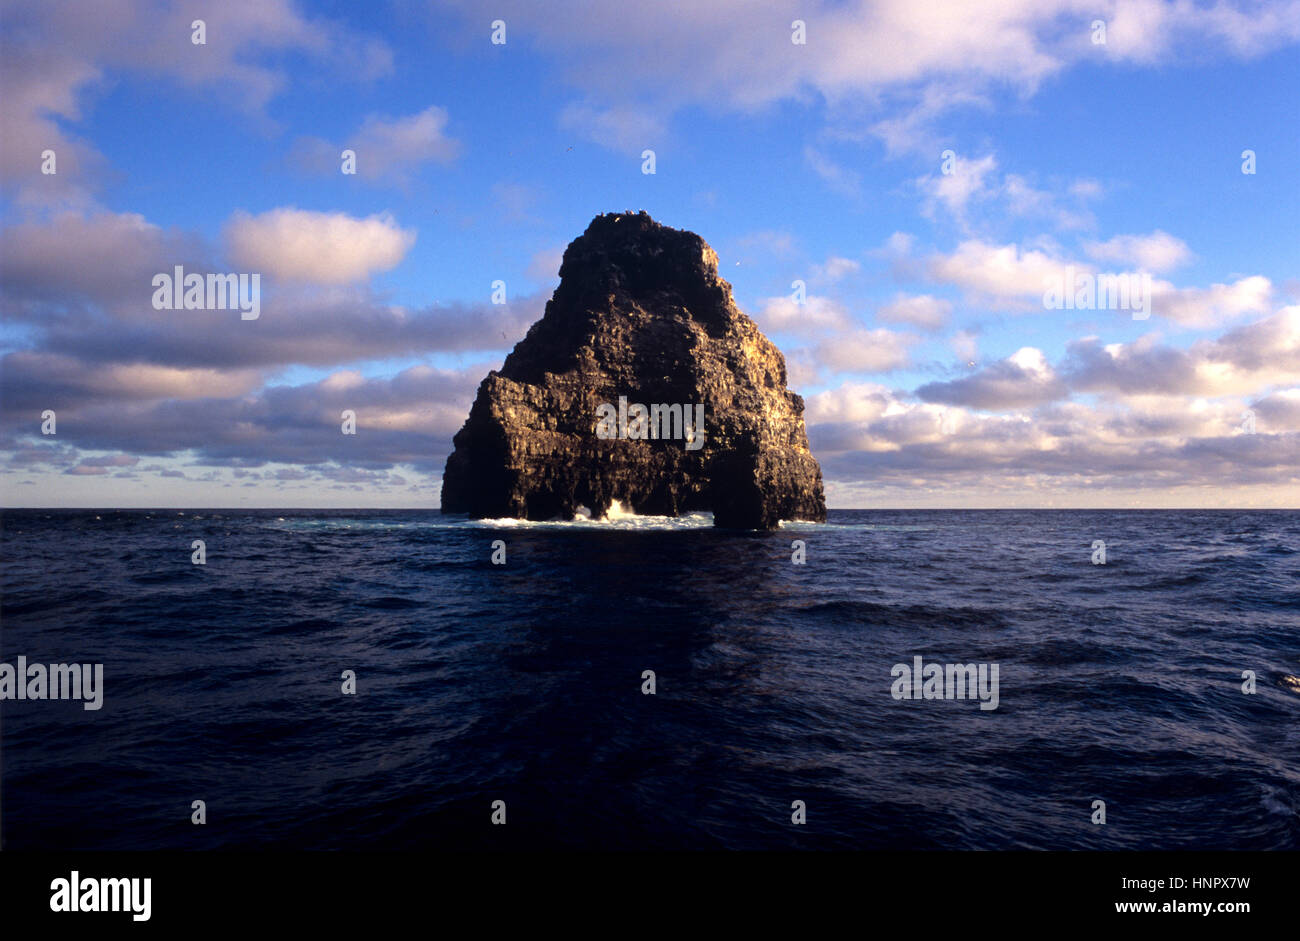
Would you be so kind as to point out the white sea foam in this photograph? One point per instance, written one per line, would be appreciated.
(618, 517)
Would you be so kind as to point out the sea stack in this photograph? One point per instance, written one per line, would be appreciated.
(642, 383)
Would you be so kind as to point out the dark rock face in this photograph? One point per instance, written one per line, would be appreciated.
(641, 314)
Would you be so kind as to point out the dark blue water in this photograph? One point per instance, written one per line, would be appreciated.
(479, 682)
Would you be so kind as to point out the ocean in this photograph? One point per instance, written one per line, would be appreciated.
(774, 682)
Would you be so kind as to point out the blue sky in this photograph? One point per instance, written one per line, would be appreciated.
(933, 372)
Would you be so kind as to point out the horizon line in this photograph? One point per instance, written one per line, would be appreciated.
(888, 509)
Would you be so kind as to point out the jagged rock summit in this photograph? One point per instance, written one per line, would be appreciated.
(643, 383)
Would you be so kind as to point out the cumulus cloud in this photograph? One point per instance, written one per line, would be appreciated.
(1004, 273)
(922, 310)
(1022, 379)
(1016, 278)
(835, 269)
(1157, 252)
(124, 377)
(32, 381)
(1279, 411)
(1243, 360)
(317, 247)
(816, 314)
(108, 257)
(850, 402)
(954, 190)
(192, 385)
(1238, 364)
(1163, 424)
(407, 419)
(82, 287)
(881, 444)
(1217, 304)
(865, 351)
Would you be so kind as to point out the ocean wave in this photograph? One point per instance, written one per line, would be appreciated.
(618, 518)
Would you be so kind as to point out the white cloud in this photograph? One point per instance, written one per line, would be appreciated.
(896, 250)
(955, 190)
(116, 256)
(865, 351)
(879, 445)
(1206, 307)
(317, 247)
(923, 310)
(134, 381)
(1243, 361)
(393, 145)
(1023, 199)
(1022, 379)
(817, 313)
(851, 402)
(835, 269)
(1157, 252)
(973, 180)
(1017, 278)
(1279, 411)
(898, 244)
(911, 130)
(999, 272)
